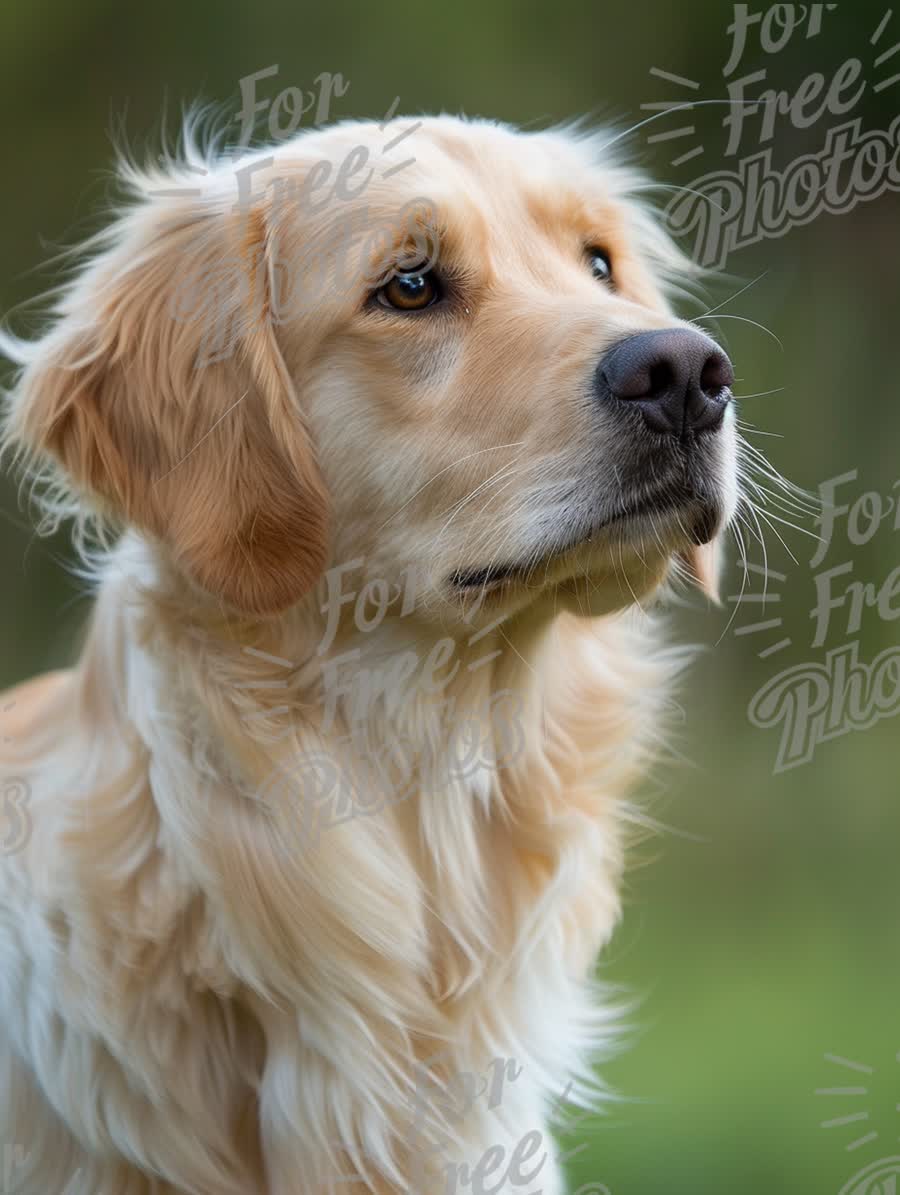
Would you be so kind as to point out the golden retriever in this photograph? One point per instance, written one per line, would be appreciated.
(325, 829)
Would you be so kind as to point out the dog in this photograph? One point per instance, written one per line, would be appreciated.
(379, 456)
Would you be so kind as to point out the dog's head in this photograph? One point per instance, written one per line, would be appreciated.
(440, 343)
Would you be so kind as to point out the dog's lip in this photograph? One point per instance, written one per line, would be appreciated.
(701, 529)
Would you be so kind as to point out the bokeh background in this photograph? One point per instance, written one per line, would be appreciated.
(761, 927)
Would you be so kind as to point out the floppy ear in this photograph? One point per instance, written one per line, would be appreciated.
(178, 416)
(704, 563)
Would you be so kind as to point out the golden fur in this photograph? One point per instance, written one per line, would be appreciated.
(190, 1001)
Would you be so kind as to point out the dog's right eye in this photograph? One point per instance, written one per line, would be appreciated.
(413, 290)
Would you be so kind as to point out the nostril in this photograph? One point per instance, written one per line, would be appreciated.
(662, 376)
(717, 375)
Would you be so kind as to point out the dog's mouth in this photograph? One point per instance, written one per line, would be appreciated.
(695, 515)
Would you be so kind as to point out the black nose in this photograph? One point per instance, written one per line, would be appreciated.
(679, 379)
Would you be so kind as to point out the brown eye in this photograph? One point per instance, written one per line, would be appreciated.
(601, 266)
(412, 290)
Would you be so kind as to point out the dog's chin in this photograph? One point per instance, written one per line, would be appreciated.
(626, 568)
(604, 568)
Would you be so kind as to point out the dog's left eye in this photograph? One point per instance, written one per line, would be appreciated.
(601, 266)
(412, 290)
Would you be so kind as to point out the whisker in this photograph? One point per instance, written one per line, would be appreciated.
(743, 319)
(760, 394)
(675, 187)
(668, 112)
(736, 295)
(452, 465)
(736, 532)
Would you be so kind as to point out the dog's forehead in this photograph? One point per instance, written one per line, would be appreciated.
(492, 165)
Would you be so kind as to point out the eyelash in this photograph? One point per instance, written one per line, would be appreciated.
(451, 283)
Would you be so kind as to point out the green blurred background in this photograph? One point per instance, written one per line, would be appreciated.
(761, 924)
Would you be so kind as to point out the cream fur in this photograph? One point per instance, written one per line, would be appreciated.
(190, 1002)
